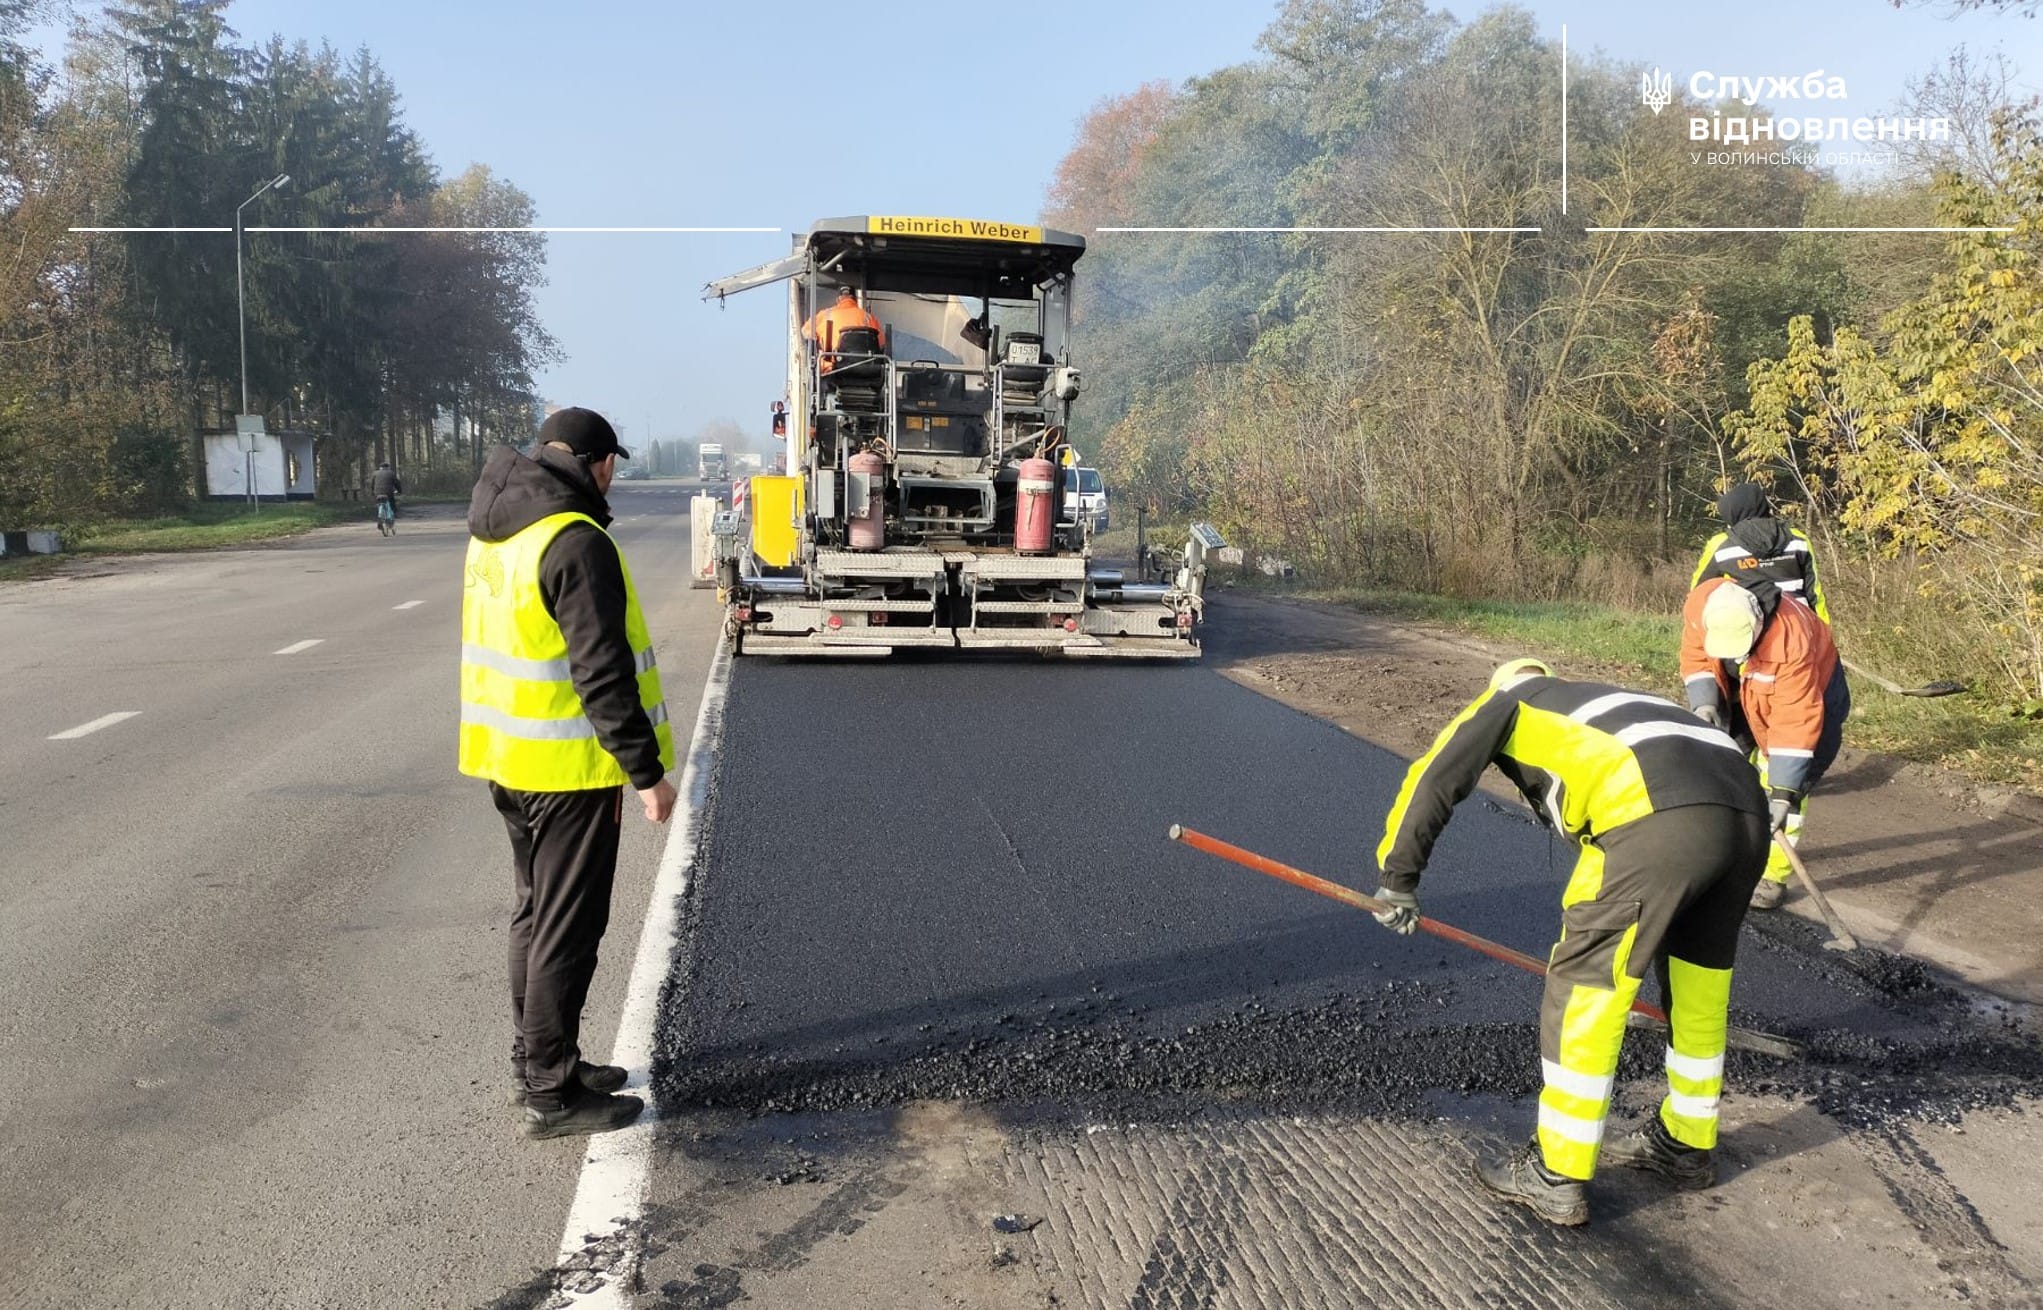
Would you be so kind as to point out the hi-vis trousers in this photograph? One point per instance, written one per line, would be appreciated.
(1669, 892)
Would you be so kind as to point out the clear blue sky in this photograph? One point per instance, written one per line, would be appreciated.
(778, 112)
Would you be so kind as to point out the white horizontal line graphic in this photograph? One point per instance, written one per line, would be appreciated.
(387, 231)
(1799, 229)
(1311, 230)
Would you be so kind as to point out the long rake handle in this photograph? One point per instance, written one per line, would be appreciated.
(1349, 896)
(1764, 1043)
(1841, 938)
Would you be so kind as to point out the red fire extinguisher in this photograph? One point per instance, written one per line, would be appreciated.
(1035, 507)
(869, 521)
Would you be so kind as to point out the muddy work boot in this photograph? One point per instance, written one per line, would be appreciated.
(1652, 1148)
(592, 1077)
(595, 1113)
(1522, 1178)
(1768, 894)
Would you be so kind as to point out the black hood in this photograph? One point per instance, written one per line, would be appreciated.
(1749, 521)
(1747, 500)
(516, 490)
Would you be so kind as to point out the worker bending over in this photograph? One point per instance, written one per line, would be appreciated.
(1776, 685)
(1671, 827)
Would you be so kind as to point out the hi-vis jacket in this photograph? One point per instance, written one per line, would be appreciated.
(559, 689)
(1587, 757)
(1760, 553)
(828, 325)
(1784, 691)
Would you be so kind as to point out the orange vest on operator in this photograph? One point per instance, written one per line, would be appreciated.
(830, 324)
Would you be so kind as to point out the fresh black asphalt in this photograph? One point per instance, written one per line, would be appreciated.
(950, 878)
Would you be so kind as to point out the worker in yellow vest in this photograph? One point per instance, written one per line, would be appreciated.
(560, 710)
(1670, 826)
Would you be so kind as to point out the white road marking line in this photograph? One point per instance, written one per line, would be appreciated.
(87, 729)
(297, 646)
(410, 604)
(612, 1190)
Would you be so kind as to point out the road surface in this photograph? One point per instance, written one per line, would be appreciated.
(938, 967)
(944, 965)
(251, 974)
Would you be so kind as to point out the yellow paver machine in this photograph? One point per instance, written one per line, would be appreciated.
(930, 384)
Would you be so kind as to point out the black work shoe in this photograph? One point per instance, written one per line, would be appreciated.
(1652, 1148)
(1522, 1178)
(596, 1113)
(592, 1077)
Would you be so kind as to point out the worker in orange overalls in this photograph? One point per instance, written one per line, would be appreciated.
(1774, 683)
(828, 325)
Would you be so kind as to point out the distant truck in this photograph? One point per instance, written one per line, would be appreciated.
(749, 462)
(710, 464)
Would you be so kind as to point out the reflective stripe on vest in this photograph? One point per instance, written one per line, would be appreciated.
(522, 722)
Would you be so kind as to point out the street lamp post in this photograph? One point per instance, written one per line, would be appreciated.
(240, 297)
(242, 319)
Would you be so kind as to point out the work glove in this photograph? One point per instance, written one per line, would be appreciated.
(1402, 914)
(1711, 715)
(1780, 803)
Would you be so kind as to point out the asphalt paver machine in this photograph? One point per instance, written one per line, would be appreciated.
(930, 384)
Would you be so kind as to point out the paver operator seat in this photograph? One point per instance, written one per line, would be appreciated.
(856, 369)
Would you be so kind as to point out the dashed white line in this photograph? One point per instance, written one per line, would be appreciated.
(86, 729)
(611, 1193)
(410, 604)
(297, 646)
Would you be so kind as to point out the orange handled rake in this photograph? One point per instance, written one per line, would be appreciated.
(1743, 1039)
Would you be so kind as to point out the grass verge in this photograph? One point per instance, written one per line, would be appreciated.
(209, 525)
(1972, 734)
(27, 568)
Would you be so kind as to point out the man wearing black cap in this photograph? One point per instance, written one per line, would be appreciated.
(560, 708)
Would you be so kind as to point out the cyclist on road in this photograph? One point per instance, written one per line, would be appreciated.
(386, 486)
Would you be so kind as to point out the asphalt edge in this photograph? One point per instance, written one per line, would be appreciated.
(596, 1240)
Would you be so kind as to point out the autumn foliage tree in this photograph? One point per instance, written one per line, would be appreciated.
(1444, 370)
(1095, 185)
(1925, 435)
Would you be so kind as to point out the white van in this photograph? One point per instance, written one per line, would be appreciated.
(1085, 493)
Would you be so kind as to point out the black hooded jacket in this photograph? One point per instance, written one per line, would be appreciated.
(1760, 552)
(581, 582)
(1749, 521)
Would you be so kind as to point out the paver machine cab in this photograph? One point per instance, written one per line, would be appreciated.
(930, 382)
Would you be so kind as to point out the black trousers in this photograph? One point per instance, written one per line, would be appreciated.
(565, 848)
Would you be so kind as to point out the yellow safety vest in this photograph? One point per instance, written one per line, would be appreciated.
(522, 723)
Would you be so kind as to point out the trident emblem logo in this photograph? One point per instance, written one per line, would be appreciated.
(1657, 90)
